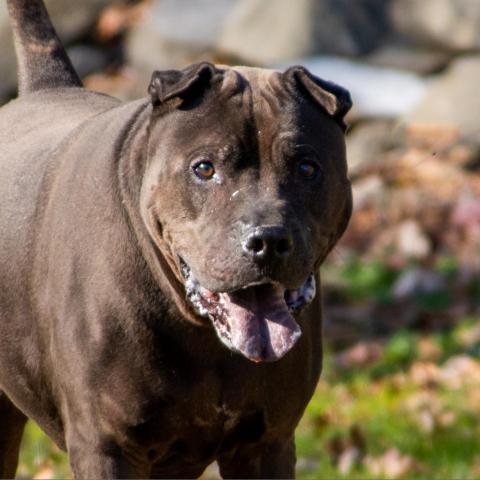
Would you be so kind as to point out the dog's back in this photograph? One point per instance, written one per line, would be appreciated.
(51, 104)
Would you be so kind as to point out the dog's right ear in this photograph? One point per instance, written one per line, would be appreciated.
(183, 84)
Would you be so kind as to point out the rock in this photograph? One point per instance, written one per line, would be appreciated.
(87, 59)
(448, 24)
(374, 90)
(71, 19)
(275, 31)
(172, 37)
(453, 99)
(262, 32)
(408, 57)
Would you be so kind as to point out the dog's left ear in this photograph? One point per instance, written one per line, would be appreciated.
(168, 84)
(332, 98)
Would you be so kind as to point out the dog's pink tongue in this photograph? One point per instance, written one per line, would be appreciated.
(261, 326)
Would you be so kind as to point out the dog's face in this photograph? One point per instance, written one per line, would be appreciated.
(245, 192)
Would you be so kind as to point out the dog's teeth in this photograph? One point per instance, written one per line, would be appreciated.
(297, 299)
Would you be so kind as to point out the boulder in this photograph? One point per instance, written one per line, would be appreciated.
(452, 100)
(257, 32)
(272, 31)
(172, 37)
(412, 58)
(449, 24)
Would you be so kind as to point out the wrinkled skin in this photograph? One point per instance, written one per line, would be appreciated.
(99, 342)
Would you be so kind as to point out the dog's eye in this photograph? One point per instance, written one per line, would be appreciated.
(204, 170)
(308, 169)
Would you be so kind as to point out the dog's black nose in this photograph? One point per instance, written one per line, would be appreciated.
(268, 243)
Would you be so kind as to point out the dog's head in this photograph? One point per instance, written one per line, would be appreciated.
(244, 194)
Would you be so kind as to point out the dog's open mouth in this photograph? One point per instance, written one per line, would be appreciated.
(256, 321)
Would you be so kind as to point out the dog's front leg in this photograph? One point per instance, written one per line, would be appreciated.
(273, 460)
(89, 461)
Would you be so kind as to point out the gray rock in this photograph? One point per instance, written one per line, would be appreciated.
(171, 37)
(196, 22)
(71, 19)
(449, 24)
(274, 31)
(87, 59)
(453, 99)
(253, 31)
(408, 57)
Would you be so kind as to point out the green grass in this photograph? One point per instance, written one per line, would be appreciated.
(445, 452)
(383, 409)
(39, 455)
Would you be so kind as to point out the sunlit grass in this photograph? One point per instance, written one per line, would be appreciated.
(434, 425)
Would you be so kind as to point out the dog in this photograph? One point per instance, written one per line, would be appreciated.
(159, 289)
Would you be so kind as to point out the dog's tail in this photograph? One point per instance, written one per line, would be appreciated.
(42, 60)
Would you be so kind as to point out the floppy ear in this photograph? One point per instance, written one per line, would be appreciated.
(335, 100)
(168, 84)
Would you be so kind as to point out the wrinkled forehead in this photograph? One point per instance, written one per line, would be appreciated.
(260, 94)
(258, 81)
(250, 107)
(259, 85)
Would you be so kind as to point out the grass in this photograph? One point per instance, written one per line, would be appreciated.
(39, 457)
(430, 421)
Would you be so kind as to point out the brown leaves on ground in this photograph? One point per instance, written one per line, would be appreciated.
(416, 209)
(419, 199)
(346, 452)
(392, 464)
(360, 355)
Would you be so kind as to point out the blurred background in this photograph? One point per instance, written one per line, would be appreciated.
(400, 392)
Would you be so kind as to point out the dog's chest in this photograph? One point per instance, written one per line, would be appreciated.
(194, 423)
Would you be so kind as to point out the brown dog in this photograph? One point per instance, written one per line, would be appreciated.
(159, 261)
